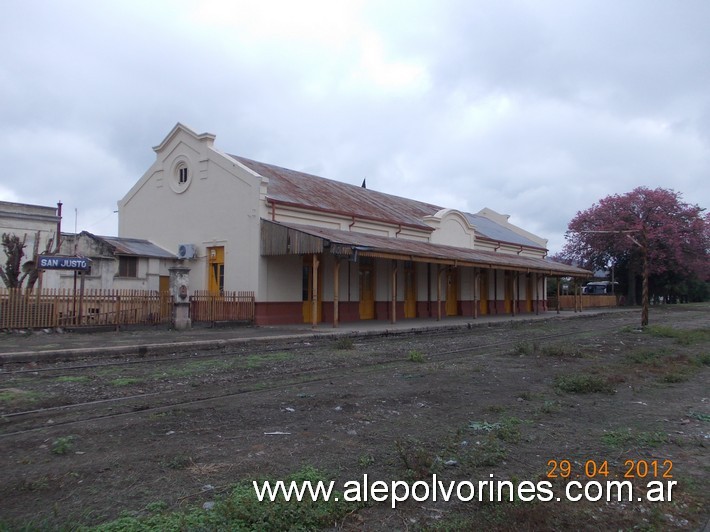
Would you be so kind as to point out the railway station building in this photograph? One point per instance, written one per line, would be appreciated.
(316, 250)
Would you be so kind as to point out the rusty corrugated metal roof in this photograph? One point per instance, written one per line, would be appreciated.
(326, 195)
(412, 249)
(321, 194)
(136, 247)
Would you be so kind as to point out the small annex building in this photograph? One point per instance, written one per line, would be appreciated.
(116, 263)
(317, 250)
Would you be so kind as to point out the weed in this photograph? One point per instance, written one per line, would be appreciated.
(416, 356)
(674, 377)
(416, 459)
(63, 445)
(624, 438)
(582, 384)
(549, 407)
(344, 343)
(509, 430)
(177, 462)
(525, 349)
(702, 359)
(699, 416)
(496, 409)
(366, 460)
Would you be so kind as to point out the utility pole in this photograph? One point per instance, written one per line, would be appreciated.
(643, 244)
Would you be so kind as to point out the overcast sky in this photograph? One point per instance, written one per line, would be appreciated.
(535, 109)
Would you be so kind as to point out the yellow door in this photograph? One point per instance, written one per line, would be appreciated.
(215, 269)
(307, 290)
(410, 290)
(483, 292)
(367, 289)
(452, 290)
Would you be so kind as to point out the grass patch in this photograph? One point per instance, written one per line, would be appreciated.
(16, 395)
(624, 438)
(196, 366)
(652, 357)
(258, 361)
(242, 511)
(682, 336)
(582, 384)
(72, 378)
(126, 381)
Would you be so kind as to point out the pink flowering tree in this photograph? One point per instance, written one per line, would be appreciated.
(620, 229)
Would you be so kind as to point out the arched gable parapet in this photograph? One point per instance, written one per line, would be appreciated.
(451, 228)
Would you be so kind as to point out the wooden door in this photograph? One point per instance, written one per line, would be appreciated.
(308, 287)
(367, 289)
(483, 292)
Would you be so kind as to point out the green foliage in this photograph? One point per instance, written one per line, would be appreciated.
(582, 384)
(242, 511)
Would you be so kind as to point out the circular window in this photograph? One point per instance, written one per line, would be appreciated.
(181, 176)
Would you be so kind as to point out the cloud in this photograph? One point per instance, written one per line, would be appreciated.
(533, 108)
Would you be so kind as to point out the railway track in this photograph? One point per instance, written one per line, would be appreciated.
(287, 365)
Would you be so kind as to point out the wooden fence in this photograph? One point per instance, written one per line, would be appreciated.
(587, 301)
(226, 306)
(51, 308)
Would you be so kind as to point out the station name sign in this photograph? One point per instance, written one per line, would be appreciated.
(57, 262)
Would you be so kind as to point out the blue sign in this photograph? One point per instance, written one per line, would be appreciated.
(57, 262)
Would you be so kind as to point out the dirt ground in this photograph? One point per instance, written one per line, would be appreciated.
(131, 436)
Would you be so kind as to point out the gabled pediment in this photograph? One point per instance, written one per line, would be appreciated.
(181, 129)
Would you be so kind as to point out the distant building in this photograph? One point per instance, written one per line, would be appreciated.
(313, 249)
(37, 224)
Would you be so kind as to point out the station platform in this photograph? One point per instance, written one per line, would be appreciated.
(25, 346)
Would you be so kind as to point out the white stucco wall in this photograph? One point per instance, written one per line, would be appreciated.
(218, 207)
